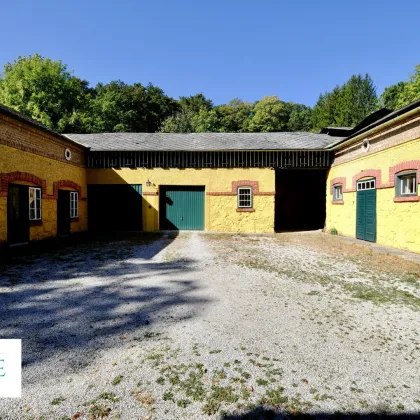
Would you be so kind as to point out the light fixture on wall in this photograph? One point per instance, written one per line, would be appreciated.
(148, 183)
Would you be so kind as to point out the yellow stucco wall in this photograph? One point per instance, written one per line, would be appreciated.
(398, 224)
(220, 210)
(51, 171)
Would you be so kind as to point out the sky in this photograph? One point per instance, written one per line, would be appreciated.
(224, 49)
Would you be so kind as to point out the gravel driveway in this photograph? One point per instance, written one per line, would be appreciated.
(212, 326)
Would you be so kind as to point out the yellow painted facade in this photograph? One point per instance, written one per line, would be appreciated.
(221, 213)
(49, 170)
(398, 223)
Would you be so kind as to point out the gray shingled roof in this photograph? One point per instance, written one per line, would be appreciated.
(202, 141)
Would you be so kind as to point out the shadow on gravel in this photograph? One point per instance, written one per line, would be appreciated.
(93, 295)
(261, 413)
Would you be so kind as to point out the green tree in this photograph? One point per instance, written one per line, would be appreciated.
(195, 103)
(391, 96)
(346, 105)
(133, 108)
(234, 117)
(411, 91)
(300, 118)
(270, 114)
(44, 90)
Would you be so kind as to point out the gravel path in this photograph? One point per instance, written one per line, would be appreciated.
(209, 326)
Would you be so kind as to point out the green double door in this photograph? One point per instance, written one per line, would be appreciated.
(366, 212)
(181, 208)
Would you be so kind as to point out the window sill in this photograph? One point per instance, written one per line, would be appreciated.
(35, 222)
(408, 198)
(337, 202)
(74, 219)
(245, 209)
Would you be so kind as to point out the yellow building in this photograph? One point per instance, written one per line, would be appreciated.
(42, 181)
(372, 189)
(53, 184)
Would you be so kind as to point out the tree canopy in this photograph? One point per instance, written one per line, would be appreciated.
(49, 93)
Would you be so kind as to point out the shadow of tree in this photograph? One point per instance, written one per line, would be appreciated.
(98, 294)
(261, 413)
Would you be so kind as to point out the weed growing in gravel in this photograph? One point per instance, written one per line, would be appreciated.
(274, 397)
(99, 411)
(117, 380)
(160, 380)
(183, 403)
(110, 396)
(143, 398)
(57, 401)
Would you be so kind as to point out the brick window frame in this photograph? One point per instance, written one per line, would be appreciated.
(401, 168)
(11, 177)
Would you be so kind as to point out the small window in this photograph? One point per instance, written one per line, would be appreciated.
(366, 185)
(34, 203)
(74, 204)
(244, 197)
(406, 184)
(337, 193)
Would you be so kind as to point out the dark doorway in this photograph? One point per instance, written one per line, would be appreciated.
(115, 207)
(17, 214)
(181, 208)
(63, 213)
(300, 199)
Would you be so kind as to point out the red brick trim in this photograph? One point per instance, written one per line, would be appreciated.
(64, 183)
(337, 202)
(11, 177)
(339, 180)
(74, 219)
(402, 166)
(239, 210)
(374, 173)
(409, 198)
(244, 183)
(35, 222)
(151, 193)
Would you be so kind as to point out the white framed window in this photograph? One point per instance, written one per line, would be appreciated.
(74, 204)
(244, 197)
(337, 193)
(369, 184)
(406, 184)
(34, 203)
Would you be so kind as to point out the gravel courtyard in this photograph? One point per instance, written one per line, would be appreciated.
(191, 326)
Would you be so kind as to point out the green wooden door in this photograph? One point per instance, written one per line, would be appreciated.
(366, 211)
(182, 208)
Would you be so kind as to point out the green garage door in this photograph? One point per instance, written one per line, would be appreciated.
(181, 208)
(366, 210)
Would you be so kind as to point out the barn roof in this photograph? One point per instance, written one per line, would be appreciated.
(202, 141)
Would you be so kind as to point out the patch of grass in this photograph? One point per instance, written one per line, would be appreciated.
(160, 380)
(223, 394)
(110, 396)
(168, 396)
(99, 411)
(333, 231)
(210, 407)
(214, 351)
(117, 380)
(262, 382)
(57, 401)
(274, 397)
(183, 403)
